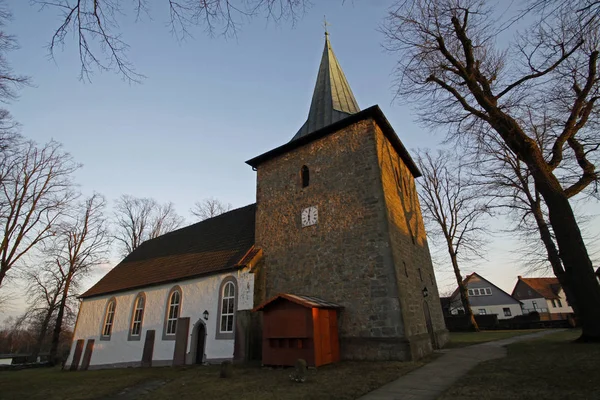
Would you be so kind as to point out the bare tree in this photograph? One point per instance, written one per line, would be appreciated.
(80, 243)
(44, 291)
(140, 219)
(209, 208)
(94, 25)
(450, 66)
(452, 202)
(9, 81)
(35, 188)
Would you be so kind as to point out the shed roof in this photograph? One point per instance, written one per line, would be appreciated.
(305, 301)
(218, 244)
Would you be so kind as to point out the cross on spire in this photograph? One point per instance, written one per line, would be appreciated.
(325, 25)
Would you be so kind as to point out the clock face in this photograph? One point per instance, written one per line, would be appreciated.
(309, 216)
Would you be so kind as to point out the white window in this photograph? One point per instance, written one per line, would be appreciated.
(138, 315)
(535, 306)
(482, 311)
(488, 291)
(470, 292)
(109, 318)
(227, 308)
(173, 312)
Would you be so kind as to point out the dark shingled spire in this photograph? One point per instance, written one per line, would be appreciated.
(332, 99)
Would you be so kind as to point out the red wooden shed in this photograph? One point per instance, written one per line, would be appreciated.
(299, 327)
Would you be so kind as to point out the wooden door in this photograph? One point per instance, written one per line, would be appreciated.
(326, 356)
(87, 356)
(77, 355)
(201, 337)
(148, 351)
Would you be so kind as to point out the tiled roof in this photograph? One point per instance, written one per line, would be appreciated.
(546, 287)
(217, 244)
(306, 301)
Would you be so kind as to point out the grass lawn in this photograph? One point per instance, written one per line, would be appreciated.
(345, 380)
(462, 339)
(552, 367)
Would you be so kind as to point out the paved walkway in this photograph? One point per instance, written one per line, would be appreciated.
(431, 380)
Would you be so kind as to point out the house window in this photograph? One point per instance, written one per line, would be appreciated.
(137, 315)
(227, 303)
(227, 308)
(535, 307)
(559, 302)
(482, 311)
(553, 303)
(305, 176)
(507, 312)
(172, 313)
(488, 291)
(109, 318)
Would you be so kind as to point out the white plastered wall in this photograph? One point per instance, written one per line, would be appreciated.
(515, 309)
(198, 294)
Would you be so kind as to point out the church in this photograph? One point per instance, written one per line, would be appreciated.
(336, 218)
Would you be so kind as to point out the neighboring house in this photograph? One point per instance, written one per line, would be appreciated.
(542, 295)
(337, 217)
(485, 298)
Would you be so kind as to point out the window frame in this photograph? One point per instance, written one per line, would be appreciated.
(479, 311)
(559, 303)
(111, 301)
(219, 335)
(166, 335)
(132, 321)
(507, 311)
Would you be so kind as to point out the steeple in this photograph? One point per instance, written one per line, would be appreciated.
(332, 99)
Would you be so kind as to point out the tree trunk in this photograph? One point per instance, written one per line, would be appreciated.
(59, 320)
(573, 253)
(579, 272)
(2, 273)
(553, 256)
(41, 335)
(462, 290)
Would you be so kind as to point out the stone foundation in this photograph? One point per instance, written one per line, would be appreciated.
(375, 349)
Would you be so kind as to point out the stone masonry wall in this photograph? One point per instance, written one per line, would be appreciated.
(345, 258)
(411, 257)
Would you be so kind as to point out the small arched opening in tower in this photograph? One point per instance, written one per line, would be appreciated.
(305, 176)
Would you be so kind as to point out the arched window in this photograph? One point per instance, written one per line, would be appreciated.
(109, 318)
(227, 308)
(137, 316)
(305, 175)
(172, 313)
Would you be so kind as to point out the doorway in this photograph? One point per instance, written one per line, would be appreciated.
(199, 342)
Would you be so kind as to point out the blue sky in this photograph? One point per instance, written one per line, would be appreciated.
(207, 105)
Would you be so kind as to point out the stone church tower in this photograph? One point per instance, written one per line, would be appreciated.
(338, 218)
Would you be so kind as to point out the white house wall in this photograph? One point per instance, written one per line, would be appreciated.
(540, 302)
(198, 294)
(565, 309)
(515, 310)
